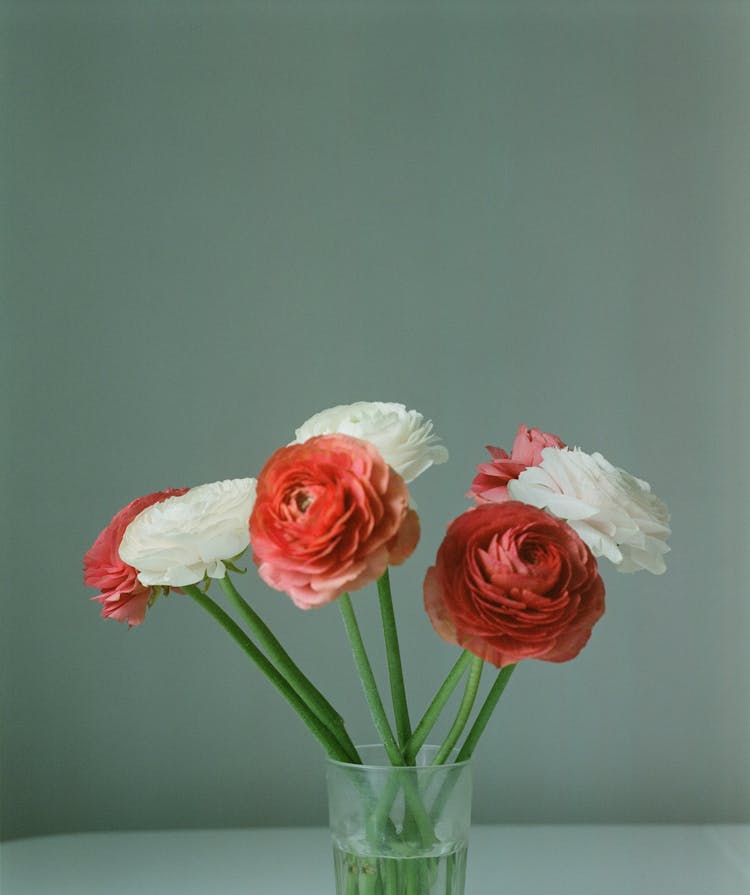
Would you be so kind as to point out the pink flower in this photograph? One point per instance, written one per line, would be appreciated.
(330, 516)
(122, 596)
(511, 582)
(490, 486)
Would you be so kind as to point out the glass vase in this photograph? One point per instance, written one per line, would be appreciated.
(399, 830)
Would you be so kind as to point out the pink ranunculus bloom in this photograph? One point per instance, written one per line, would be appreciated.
(511, 582)
(491, 483)
(122, 596)
(330, 515)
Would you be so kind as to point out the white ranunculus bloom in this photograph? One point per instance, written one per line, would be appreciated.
(403, 437)
(182, 539)
(613, 512)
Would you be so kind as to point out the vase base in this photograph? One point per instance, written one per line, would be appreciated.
(440, 874)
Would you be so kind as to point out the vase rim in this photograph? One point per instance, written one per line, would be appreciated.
(396, 767)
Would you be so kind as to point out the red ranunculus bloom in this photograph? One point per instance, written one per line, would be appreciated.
(122, 596)
(490, 485)
(330, 516)
(511, 582)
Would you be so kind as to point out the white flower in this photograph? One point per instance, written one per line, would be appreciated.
(613, 512)
(184, 538)
(403, 437)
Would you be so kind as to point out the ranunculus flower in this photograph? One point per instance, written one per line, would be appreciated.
(511, 582)
(615, 513)
(183, 539)
(404, 437)
(491, 484)
(123, 596)
(330, 517)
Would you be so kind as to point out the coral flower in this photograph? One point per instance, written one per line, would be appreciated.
(122, 596)
(512, 582)
(330, 516)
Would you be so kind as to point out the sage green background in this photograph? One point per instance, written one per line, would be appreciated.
(221, 217)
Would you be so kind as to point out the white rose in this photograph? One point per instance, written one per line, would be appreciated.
(613, 512)
(184, 538)
(403, 437)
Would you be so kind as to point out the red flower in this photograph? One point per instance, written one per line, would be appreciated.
(122, 596)
(330, 516)
(512, 582)
(490, 486)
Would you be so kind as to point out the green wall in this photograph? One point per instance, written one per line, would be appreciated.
(221, 217)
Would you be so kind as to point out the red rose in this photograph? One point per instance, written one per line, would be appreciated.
(512, 582)
(330, 516)
(122, 596)
(490, 485)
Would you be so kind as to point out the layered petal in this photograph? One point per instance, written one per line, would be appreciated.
(491, 482)
(123, 597)
(614, 512)
(403, 437)
(330, 517)
(184, 539)
(511, 582)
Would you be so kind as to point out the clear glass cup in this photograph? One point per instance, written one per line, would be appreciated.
(399, 830)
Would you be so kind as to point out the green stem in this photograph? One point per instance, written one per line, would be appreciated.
(368, 877)
(395, 669)
(416, 818)
(436, 707)
(319, 730)
(379, 717)
(485, 713)
(412, 878)
(290, 671)
(464, 710)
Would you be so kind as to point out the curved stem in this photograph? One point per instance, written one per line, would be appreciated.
(464, 710)
(393, 653)
(485, 713)
(332, 746)
(436, 707)
(377, 710)
(290, 670)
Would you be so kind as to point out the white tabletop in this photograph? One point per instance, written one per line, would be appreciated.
(517, 860)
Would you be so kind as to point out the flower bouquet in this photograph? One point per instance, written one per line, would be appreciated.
(515, 578)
